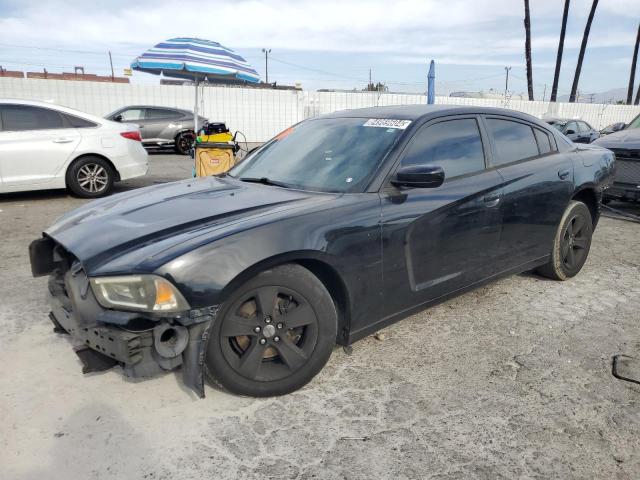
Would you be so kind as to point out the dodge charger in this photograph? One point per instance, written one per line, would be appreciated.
(332, 230)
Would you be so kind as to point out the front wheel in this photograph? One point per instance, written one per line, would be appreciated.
(273, 334)
(571, 244)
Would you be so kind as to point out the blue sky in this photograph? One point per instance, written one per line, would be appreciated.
(332, 44)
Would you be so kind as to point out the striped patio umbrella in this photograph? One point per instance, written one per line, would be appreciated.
(195, 59)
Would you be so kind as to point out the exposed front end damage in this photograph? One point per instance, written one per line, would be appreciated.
(144, 345)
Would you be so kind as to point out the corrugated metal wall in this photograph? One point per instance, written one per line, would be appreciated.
(260, 114)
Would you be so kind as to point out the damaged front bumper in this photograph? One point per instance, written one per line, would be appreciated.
(144, 345)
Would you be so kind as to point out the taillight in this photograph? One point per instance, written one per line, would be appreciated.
(132, 135)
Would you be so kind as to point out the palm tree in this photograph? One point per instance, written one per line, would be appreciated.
(556, 76)
(583, 47)
(527, 47)
(632, 75)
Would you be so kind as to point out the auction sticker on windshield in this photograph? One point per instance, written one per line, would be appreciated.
(387, 123)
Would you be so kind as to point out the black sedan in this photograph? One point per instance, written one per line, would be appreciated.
(332, 230)
(577, 131)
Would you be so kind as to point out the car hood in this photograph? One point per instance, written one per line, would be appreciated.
(153, 219)
(629, 139)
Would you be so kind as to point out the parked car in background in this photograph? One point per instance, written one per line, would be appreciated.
(44, 146)
(332, 230)
(161, 127)
(614, 127)
(578, 131)
(626, 146)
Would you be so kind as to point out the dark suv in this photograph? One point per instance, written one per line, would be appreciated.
(626, 145)
(578, 131)
(161, 127)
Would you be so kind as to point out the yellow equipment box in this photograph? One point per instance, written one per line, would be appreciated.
(213, 158)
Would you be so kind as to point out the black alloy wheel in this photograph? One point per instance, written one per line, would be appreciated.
(184, 143)
(575, 242)
(571, 244)
(275, 334)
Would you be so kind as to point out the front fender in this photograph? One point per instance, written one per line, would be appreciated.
(206, 275)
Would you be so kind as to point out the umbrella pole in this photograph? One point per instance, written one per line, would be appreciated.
(195, 110)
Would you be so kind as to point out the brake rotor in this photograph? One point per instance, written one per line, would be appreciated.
(249, 309)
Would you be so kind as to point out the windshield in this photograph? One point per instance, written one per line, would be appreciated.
(329, 154)
(635, 123)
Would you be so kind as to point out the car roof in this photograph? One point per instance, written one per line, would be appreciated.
(418, 112)
(181, 110)
(53, 106)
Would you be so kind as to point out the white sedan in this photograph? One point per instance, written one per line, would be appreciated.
(45, 146)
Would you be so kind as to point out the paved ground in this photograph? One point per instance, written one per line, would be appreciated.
(509, 381)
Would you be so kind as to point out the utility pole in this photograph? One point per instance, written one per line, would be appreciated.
(111, 63)
(506, 82)
(266, 63)
(544, 95)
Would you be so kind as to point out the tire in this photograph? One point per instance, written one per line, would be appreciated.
(183, 143)
(289, 310)
(571, 244)
(90, 177)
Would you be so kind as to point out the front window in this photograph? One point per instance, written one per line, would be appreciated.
(328, 154)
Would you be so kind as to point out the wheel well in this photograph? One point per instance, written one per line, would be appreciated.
(187, 130)
(589, 197)
(338, 291)
(113, 167)
(322, 270)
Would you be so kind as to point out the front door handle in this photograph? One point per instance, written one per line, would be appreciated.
(492, 200)
(563, 174)
(62, 140)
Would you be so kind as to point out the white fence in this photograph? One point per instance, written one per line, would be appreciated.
(261, 113)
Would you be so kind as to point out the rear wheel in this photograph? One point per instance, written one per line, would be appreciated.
(273, 335)
(571, 244)
(90, 177)
(184, 143)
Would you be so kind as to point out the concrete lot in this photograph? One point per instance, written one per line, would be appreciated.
(510, 381)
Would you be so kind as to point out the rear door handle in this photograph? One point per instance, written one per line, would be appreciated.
(492, 200)
(62, 140)
(563, 174)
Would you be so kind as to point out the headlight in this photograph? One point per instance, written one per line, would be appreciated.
(148, 293)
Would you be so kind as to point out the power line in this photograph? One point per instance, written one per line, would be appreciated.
(64, 50)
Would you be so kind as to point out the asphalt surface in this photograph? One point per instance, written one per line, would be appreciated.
(512, 380)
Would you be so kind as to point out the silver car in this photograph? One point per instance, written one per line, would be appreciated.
(161, 127)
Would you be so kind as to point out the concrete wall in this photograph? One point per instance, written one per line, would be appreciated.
(261, 113)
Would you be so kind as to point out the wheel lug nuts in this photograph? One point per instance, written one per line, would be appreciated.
(262, 341)
(267, 319)
(276, 339)
(257, 329)
(280, 325)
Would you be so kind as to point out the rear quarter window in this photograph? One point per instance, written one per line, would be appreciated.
(78, 122)
(513, 141)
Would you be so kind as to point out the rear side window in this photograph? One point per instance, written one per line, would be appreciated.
(161, 113)
(454, 145)
(573, 126)
(544, 142)
(17, 118)
(584, 127)
(513, 140)
(77, 122)
(132, 114)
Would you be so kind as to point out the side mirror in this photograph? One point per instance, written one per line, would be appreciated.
(418, 176)
(117, 118)
(569, 132)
